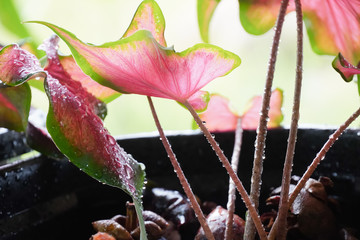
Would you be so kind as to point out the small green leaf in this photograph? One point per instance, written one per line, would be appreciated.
(10, 19)
(205, 11)
(15, 107)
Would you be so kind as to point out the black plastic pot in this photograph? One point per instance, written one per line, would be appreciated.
(41, 198)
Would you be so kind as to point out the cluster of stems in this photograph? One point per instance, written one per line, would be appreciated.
(253, 223)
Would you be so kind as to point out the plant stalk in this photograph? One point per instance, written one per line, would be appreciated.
(249, 233)
(232, 188)
(319, 157)
(232, 174)
(290, 151)
(180, 174)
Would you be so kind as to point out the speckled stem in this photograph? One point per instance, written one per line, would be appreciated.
(180, 174)
(245, 197)
(262, 129)
(319, 156)
(285, 185)
(232, 188)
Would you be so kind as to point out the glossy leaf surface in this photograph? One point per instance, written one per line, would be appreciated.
(79, 133)
(56, 70)
(18, 65)
(205, 11)
(15, 107)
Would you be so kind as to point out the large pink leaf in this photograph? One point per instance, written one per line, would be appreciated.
(18, 65)
(334, 26)
(138, 64)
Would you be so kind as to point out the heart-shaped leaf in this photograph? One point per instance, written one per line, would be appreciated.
(138, 64)
(15, 107)
(250, 118)
(219, 116)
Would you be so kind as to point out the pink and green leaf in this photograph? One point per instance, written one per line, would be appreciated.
(39, 139)
(250, 119)
(199, 101)
(205, 11)
(18, 65)
(219, 116)
(101, 92)
(138, 64)
(149, 17)
(15, 107)
(258, 16)
(334, 27)
(344, 68)
(80, 134)
(56, 70)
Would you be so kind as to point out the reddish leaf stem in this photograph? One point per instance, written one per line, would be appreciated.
(232, 188)
(319, 156)
(285, 185)
(232, 174)
(262, 129)
(180, 174)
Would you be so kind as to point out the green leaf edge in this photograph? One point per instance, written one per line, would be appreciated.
(202, 21)
(138, 36)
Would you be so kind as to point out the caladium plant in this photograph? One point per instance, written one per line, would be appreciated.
(79, 86)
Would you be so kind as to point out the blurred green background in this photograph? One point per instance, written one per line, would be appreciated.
(326, 98)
